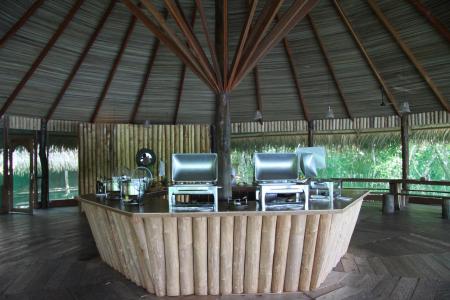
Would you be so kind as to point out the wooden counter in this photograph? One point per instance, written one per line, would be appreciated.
(225, 252)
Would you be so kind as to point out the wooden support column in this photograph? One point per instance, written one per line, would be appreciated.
(311, 133)
(43, 156)
(405, 152)
(223, 117)
(223, 143)
(4, 208)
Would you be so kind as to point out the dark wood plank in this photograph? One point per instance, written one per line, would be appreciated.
(411, 56)
(41, 56)
(10, 33)
(362, 49)
(114, 67)
(330, 66)
(80, 60)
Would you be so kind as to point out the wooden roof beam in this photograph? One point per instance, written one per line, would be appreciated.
(182, 77)
(172, 39)
(329, 66)
(423, 10)
(408, 53)
(258, 92)
(184, 56)
(192, 41)
(80, 60)
(362, 49)
(295, 77)
(243, 39)
(222, 39)
(294, 14)
(179, 94)
(145, 80)
(211, 46)
(262, 24)
(114, 67)
(62, 26)
(21, 22)
(256, 36)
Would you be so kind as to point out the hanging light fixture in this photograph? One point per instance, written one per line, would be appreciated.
(405, 109)
(258, 116)
(330, 113)
(382, 96)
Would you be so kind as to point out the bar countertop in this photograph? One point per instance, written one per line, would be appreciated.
(156, 203)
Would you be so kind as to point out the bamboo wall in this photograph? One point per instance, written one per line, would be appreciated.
(109, 149)
(357, 124)
(25, 123)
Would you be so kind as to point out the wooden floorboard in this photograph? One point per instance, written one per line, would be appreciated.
(52, 255)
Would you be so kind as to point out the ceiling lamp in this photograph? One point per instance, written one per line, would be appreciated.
(405, 109)
(258, 116)
(382, 97)
(330, 113)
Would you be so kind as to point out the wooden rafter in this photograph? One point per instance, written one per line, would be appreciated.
(148, 71)
(423, 10)
(113, 70)
(221, 40)
(182, 53)
(243, 40)
(145, 80)
(295, 77)
(192, 41)
(80, 60)
(41, 56)
(177, 43)
(20, 22)
(294, 14)
(182, 76)
(256, 35)
(262, 24)
(362, 49)
(211, 47)
(259, 106)
(408, 53)
(329, 65)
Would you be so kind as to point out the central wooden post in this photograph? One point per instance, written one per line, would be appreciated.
(222, 143)
(222, 135)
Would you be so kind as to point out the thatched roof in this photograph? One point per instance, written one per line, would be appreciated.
(428, 45)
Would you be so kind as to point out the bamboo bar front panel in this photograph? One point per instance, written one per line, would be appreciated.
(232, 252)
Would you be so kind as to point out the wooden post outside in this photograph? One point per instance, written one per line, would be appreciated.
(405, 155)
(43, 156)
(311, 133)
(6, 186)
(223, 143)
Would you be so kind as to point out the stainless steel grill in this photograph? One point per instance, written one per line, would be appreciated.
(277, 173)
(193, 174)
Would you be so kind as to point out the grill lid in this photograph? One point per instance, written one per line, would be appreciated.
(276, 167)
(194, 167)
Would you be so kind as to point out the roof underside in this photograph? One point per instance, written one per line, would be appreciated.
(280, 100)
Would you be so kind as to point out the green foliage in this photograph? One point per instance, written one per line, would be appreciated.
(359, 158)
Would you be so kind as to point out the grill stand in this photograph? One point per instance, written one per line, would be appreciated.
(279, 188)
(186, 189)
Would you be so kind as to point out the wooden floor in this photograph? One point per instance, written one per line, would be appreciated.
(51, 255)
